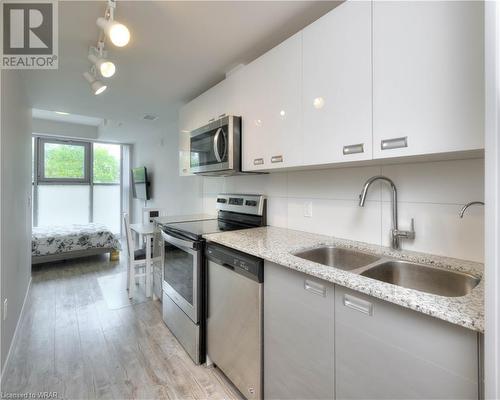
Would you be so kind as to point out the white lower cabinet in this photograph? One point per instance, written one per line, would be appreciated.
(383, 351)
(323, 341)
(298, 335)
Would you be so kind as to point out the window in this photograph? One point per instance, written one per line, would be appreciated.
(63, 161)
(106, 163)
(63, 204)
(106, 190)
(76, 182)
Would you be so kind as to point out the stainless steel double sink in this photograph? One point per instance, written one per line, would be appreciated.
(409, 275)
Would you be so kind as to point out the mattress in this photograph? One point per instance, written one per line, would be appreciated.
(59, 239)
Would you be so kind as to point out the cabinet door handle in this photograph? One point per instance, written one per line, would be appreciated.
(358, 304)
(353, 149)
(277, 159)
(395, 143)
(315, 288)
(258, 161)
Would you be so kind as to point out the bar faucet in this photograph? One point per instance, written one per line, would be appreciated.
(465, 207)
(396, 234)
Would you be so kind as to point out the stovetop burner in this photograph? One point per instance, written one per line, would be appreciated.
(235, 211)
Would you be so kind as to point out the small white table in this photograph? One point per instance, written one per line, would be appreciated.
(148, 232)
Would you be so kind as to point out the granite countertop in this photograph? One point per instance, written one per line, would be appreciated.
(278, 244)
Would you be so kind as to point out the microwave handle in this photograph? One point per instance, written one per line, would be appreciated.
(216, 145)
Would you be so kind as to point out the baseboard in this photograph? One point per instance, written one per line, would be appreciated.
(16, 334)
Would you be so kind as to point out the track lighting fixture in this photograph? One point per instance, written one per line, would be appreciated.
(119, 36)
(105, 67)
(97, 86)
(117, 33)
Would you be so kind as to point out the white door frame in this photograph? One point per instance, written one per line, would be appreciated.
(492, 200)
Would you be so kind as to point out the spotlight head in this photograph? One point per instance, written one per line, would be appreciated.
(97, 86)
(106, 68)
(117, 33)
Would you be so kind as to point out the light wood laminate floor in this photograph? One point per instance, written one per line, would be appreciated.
(84, 344)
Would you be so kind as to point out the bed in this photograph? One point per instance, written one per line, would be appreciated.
(62, 242)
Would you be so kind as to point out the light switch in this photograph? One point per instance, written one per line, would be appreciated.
(308, 209)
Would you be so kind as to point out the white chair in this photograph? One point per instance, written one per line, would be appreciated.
(147, 213)
(136, 260)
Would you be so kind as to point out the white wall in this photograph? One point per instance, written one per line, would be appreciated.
(431, 192)
(66, 129)
(15, 243)
(492, 175)
(170, 192)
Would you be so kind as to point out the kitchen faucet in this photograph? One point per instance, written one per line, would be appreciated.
(396, 234)
(465, 207)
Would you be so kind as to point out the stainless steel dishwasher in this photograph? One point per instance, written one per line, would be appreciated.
(234, 317)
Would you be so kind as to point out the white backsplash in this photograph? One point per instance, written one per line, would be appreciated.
(432, 193)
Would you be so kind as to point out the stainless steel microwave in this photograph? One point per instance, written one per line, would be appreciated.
(216, 147)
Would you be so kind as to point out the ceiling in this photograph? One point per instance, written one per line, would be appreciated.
(178, 49)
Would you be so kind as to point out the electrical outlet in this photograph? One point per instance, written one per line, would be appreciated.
(308, 209)
(5, 309)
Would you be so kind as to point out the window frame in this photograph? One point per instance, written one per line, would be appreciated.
(123, 183)
(42, 179)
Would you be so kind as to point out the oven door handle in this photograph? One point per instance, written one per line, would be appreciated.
(187, 244)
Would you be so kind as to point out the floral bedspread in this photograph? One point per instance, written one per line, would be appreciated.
(63, 238)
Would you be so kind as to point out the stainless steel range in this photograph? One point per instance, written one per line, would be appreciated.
(185, 267)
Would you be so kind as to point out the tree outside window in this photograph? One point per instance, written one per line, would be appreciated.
(68, 162)
(106, 163)
(64, 161)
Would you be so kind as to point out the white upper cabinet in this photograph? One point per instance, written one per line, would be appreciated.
(210, 105)
(428, 64)
(186, 124)
(228, 98)
(205, 108)
(337, 86)
(269, 99)
(368, 80)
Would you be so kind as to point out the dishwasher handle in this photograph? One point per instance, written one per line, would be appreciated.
(241, 263)
(228, 266)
